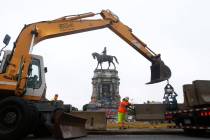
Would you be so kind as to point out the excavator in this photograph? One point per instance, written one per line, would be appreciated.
(23, 106)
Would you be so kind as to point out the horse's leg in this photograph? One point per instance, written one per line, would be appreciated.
(97, 65)
(101, 66)
(109, 65)
(114, 65)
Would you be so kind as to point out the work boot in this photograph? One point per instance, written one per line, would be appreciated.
(120, 127)
(124, 128)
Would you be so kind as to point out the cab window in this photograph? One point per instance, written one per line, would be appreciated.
(34, 78)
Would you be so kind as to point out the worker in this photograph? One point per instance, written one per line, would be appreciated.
(55, 97)
(122, 112)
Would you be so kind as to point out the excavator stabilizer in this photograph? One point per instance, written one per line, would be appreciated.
(68, 126)
(159, 72)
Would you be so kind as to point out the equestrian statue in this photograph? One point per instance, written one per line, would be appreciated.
(104, 58)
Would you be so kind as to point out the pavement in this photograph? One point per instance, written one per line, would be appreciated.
(134, 134)
(131, 131)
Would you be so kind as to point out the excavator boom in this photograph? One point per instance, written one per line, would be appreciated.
(33, 33)
(159, 71)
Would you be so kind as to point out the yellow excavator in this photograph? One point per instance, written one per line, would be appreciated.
(23, 106)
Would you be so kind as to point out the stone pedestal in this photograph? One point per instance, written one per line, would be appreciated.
(105, 94)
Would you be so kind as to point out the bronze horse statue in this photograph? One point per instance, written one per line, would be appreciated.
(104, 58)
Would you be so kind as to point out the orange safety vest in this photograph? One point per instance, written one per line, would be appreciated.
(122, 107)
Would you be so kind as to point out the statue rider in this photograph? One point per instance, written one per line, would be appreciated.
(104, 51)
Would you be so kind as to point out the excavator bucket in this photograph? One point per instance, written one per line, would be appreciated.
(159, 72)
(67, 126)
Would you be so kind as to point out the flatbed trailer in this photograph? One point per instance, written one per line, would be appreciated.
(195, 114)
(195, 119)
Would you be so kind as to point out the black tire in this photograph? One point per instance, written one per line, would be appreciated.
(40, 129)
(15, 118)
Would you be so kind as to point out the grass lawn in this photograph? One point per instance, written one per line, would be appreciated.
(139, 125)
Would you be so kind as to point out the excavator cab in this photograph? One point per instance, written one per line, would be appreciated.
(159, 71)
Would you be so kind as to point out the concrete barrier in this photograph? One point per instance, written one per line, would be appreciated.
(202, 89)
(190, 98)
(95, 120)
(151, 112)
(197, 93)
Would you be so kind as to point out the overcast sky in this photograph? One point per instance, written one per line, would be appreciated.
(177, 29)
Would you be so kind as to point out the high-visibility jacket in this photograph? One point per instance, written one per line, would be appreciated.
(123, 106)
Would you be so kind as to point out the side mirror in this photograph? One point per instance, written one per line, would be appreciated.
(6, 39)
(45, 69)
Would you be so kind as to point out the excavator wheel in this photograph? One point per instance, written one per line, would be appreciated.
(37, 127)
(15, 118)
(40, 129)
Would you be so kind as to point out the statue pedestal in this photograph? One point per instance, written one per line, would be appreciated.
(105, 94)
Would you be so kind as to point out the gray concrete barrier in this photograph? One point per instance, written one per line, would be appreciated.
(95, 120)
(151, 112)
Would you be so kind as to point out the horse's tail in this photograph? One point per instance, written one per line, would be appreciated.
(116, 59)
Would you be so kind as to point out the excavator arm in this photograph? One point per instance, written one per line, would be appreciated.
(16, 73)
